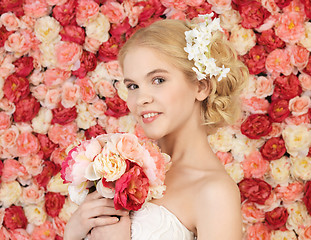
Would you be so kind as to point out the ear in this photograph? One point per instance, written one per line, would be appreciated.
(203, 89)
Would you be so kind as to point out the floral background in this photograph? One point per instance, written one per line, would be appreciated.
(60, 83)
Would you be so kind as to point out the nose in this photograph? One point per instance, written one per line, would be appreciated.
(144, 98)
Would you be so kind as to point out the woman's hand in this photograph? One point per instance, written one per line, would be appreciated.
(94, 211)
(118, 231)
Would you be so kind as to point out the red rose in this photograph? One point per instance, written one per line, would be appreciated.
(47, 146)
(273, 149)
(253, 14)
(255, 190)
(65, 13)
(26, 109)
(94, 131)
(62, 115)
(1, 168)
(278, 110)
(256, 126)
(73, 33)
(16, 88)
(23, 66)
(309, 153)
(203, 9)
(116, 107)
(131, 189)
(307, 7)
(307, 196)
(54, 203)
(14, 6)
(151, 9)
(276, 218)
(49, 170)
(14, 217)
(282, 3)
(270, 41)
(88, 62)
(255, 59)
(109, 50)
(120, 30)
(307, 69)
(4, 34)
(286, 87)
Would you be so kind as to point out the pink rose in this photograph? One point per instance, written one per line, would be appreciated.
(8, 137)
(130, 148)
(177, 4)
(98, 108)
(299, 56)
(53, 97)
(91, 44)
(278, 61)
(218, 6)
(264, 87)
(307, 8)
(26, 109)
(32, 194)
(305, 81)
(298, 120)
(19, 234)
(55, 76)
(5, 121)
(10, 21)
(36, 9)
(299, 105)
(224, 157)
(47, 146)
(44, 232)
(7, 106)
(16, 88)
(290, 193)
(276, 131)
(204, 8)
(67, 55)
(114, 11)
(114, 69)
(296, 6)
(27, 22)
(27, 144)
(70, 94)
(63, 134)
(11, 170)
(258, 231)
(255, 105)
(254, 165)
(105, 89)
(86, 11)
(251, 213)
(87, 89)
(58, 156)
(33, 163)
(72, 33)
(39, 92)
(15, 43)
(59, 226)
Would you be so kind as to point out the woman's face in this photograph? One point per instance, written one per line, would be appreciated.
(159, 95)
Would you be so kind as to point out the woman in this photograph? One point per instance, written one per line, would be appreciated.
(177, 101)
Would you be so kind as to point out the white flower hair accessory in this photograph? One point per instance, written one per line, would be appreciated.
(198, 44)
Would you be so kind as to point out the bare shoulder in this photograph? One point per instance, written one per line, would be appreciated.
(218, 208)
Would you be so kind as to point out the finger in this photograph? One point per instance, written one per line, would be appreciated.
(104, 211)
(93, 195)
(103, 221)
(95, 203)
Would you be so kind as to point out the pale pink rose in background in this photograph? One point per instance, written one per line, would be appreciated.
(194, 3)
(58, 155)
(172, 13)
(27, 143)
(299, 56)
(6, 68)
(264, 87)
(87, 89)
(4, 234)
(8, 137)
(86, 11)
(91, 44)
(7, 106)
(278, 61)
(32, 194)
(271, 203)
(254, 165)
(56, 2)
(39, 92)
(114, 69)
(306, 39)
(15, 42)
(36, 9)
(110, 124)
(224, 157)
(55, 76)
(19, 234)
(37, 57)
(10, 21)
(2, 212)
(63, 134)
(5, 121)
(105, 89)
(132, 12)
(299, 105)
(27, 22)
(11, 170)
(268, 23)
(304, 232)
(271, 6)
(52, 98)
(242, 39)
(290, 193)
(98, 108)
(7, 152)
(276, 131)
(31, 41)
(70, 94)
(297, 7)
(177, 4)
(33, 164)
(44, 232)
(252, 214)
(59, 226)
(114, 11)
(290, 28)
(220, 6)
(258, 231)
(255, 105)
(36, 77)
(305, 81)
(67, 55)
(229, 19)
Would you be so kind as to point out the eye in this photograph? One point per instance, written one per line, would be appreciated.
(132, 86)
(158, 80)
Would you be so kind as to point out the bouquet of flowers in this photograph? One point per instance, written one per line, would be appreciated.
(120, 166)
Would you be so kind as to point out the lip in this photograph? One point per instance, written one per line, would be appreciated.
(149, 119)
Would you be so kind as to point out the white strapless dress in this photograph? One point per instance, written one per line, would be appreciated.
(154, 222)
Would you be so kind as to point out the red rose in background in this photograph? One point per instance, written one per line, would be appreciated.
(14, 217)
(94, 131)
(307, 69)
(26, 109)
(109, 50)
(273, 149)
(276, 218)
(47, 146)
(23, 66)
(49, 170)
(131, 189)
(283, 3)
(65, 13)
(270, 41)
(278, 110)
(204, 8)
(88, 62)
(307, 7)
(255, 190)
(120, 30)
(4, 34)
(253, 14)
(16, 88)
(116, 107)
(73, 33)
(15, 6)
(62, 115)
(307, 196)
(1, 168)
(54, 203)
(151, 9)
(255, 59)
(286, 87)
(256, 126)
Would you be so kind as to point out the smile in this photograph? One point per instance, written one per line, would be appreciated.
(149, 115)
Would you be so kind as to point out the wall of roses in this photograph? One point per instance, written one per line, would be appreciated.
(60, 83)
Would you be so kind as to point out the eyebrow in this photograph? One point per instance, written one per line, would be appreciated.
(158, 70)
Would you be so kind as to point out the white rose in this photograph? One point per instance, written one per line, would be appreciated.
(306, 38)
(297, 139)
(278, 234)
(235, 171)
(221, 140)
(85, 119)
(56, 185)
(41, 123)
(48, 54)
(99, 28)
(301, 167)
(127, 124)
(1, 87)
(100, 73)
(298, 215)
(47, 29)
(122, 90)
(35, 214)
(242, 39)
(68, 209)
(10, 193)
(229, 19)
(279, 170)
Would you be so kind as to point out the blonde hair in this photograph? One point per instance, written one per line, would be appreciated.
(222, 106)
